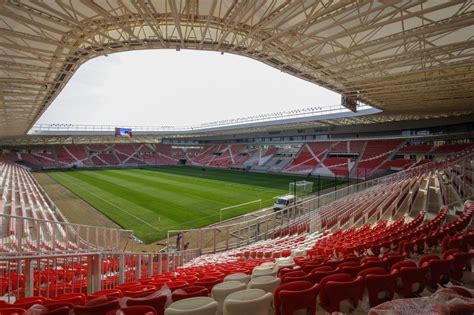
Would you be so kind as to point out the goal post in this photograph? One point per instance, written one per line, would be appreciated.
(300, 188)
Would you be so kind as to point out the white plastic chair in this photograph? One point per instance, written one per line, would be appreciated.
(246, 302)
(221, 290)
(263, 271)
(241, 277)
(266, 283)
(193, 306)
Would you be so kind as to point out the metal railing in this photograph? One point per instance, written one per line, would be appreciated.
(24, 235)
(53, 275)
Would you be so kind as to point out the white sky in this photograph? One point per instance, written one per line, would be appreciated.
(166, 87)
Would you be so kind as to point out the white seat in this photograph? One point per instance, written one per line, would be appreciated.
(263, 271)
(246, 302)
(242, 277)
(266, 283)
(267, 264)
(221, 290)
(193, 306)
(284, 261)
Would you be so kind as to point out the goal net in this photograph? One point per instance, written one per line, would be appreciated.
(300, 188)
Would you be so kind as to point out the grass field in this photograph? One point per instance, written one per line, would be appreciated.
(152, 201)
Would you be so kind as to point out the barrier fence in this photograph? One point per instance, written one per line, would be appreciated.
(23, 235)
(53, 275)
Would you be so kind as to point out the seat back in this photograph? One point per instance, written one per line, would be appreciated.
(250, 301)
(98, 309)
(12, 311)
(289, 301)
(188, 292)
(343, 295)
(158, 302)
(221, 290)
(193, 306)
(380, 287)
(134, 310)
(413, 280)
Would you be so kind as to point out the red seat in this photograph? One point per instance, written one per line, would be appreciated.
(439, 272)
(174, 285)
(12, 311)
(134, 310)
(372, 271)
(188, 278)
(208, 282)
(380, 285)
(97, 308)
(74, 298)
(378, 263)
(337, 289)
(401, 264)
(413, 280)
(64, 310)
(110, 292)
(352, 270)
(125, 286)
(28, 302)
(158, 302)
(139, 290)
(191, 291)
(293, 274)
(392, 259)
(296, 295)
(426, 259)
(318, 275)
(461, 263)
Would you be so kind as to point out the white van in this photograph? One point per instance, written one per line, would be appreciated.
(283, 202)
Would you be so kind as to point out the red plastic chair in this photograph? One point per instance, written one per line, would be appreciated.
(64, 310)
(93, 308)
(74, 298)
(413, 281)
(189, 279)
(405, 263)
(379, 263)
(340, 288)
(318, 275)
(392, 259)
(135, 310)
(461, 263)
(109, 292)
(174, 285)
(293, 274)
(126, 286)
(157, 302)
(372, 271)
(28, 302)
(380, 287)
(12, 311)
(139, 290)
(188, 292)
(426, 259)
(208, 282)
(439, 272)
(352, 270)
(294, 296)
(53, 305)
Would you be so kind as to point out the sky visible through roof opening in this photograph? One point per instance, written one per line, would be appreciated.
(178, 88)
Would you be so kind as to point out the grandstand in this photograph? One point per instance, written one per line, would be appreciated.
(397, 235)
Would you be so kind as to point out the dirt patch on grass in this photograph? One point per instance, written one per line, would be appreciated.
(78, 211)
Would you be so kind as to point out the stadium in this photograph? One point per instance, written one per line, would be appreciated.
(361, 207)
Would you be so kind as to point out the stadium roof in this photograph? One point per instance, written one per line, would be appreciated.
(405, 57)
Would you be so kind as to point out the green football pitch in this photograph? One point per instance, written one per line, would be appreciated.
(152, 201)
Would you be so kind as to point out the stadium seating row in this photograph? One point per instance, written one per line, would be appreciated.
(341, 158)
